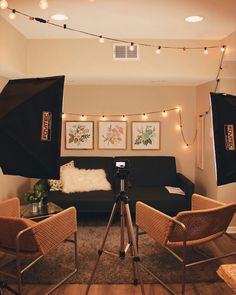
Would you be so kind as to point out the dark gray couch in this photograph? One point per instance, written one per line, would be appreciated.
(148, 177)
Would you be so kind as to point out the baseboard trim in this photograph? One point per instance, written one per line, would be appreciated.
(231, 230)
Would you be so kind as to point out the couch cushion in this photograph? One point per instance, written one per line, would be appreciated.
(105, 163)
(151, 171)
(94, 201)
(158, 198)
(84, 180)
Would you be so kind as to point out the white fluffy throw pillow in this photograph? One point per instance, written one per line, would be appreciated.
(82, 180)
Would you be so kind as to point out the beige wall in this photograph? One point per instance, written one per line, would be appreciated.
(137, 100)
(13, 51)
(87, 60)
(11, 186)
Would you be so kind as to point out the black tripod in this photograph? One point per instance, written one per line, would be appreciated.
(5, 286)
(125, 219)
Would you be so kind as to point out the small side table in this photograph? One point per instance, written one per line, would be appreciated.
(44, 211)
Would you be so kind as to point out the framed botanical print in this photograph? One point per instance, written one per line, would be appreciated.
(112, 135)
(146, 135)
(79, 135)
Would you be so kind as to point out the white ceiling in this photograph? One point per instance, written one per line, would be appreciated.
(145, 19)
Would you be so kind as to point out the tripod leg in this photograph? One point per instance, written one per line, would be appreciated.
(122, 230)
(136, 258)
(135, 280)
(100, 251)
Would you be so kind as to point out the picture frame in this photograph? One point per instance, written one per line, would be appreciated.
(112, 135)
(79, 135)
(145, 135)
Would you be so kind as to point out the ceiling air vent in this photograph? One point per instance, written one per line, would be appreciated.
(123, 52)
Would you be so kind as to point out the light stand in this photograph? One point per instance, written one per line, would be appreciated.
(125, 219)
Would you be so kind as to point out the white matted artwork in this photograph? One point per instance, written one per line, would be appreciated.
(146, 135)
(112, 135)
(79, 135)
(200, 142)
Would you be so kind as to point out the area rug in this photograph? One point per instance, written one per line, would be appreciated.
(112, 270)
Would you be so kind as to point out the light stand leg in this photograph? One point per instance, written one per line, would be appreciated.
(100, 251)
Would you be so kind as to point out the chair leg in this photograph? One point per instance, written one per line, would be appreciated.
(184, 271)
(18, 274)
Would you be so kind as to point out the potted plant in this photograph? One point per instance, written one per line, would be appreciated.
(35, 196)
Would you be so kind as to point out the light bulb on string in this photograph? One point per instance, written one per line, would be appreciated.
(186, 146)
(131, 47)
(103, 118)
(144, 116)
(178, 109)
(222, 49)
(177, 127)
(158, 51)
(123, 118)
(12, 15)
(43, 4)
(82, 117)
(205, 50)
(63, 115)
(101, 39)
(3, 4)
(164, 113)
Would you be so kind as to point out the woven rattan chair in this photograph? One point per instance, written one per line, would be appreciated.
(207, 221)
(22, 238)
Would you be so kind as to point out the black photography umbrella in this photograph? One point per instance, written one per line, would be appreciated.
(224, 126)
(30, 127)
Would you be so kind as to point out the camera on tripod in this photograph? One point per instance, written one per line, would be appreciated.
(122, 168)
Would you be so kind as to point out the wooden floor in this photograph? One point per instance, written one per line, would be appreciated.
(218, 288)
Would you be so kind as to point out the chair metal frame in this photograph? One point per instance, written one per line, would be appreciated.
(35, 257)
(182, 259)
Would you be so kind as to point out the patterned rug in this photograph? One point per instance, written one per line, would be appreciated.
(112, 270)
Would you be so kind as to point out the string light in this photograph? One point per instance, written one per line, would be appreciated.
(101, 39)
(43, 4)
(63, 115)
(3, 4)
(205, 50)
(178, 127)
(12, 15)
(158, 51)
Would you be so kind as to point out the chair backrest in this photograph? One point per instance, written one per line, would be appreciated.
(202, 225)
(9, 229)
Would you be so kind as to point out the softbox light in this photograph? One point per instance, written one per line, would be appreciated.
(224, 128)
(30, 127)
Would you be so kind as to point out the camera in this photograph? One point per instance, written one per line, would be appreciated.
(121, 164)
(122, 170)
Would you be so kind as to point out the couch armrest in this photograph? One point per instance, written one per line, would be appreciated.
(185, 184)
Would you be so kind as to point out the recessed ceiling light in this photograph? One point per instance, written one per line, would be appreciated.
(59, 17)
(194, 18)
